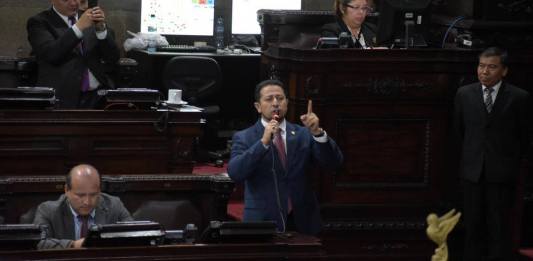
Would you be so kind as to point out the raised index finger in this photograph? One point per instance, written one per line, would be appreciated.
(310, 107)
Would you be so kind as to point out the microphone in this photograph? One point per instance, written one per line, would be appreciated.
(275, 116)
(344, 40)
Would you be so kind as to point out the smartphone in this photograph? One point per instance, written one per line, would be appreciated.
(93, 3)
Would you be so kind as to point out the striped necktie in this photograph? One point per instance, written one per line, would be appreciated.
(488, 99)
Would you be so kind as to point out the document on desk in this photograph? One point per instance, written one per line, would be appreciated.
(182, 108)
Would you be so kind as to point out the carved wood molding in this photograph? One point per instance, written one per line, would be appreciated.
(416, 135)
(114, 184)
(374, 225)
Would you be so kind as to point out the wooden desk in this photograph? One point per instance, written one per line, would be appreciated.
(208, 194)
(44, 142)
(390, 112)
(297, 248)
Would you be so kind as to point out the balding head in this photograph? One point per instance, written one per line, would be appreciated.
(82, 171)
(82, 188)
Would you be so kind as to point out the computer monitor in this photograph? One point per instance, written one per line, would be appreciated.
(20, 236)
(130, 233)
(178, 17)
(401, 20)
(237, 231)
(244, 13)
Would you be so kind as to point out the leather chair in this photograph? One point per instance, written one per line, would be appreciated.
(170, 214)
(198, 77)
(28, 216)
(200, 80)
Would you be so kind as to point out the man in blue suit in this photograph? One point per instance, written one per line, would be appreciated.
(273, 158)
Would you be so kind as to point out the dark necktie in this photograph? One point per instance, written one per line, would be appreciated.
(84, 220)
(85, 72)
(488, 99)
(357, 43)
(280, 147)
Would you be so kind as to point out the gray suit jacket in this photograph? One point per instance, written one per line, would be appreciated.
(57, 216)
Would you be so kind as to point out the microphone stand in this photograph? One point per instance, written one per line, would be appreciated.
(276, 186)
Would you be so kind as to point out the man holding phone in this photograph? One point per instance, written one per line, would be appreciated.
(74, 50)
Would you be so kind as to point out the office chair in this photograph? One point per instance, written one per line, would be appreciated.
(200, 79)
(170, 214)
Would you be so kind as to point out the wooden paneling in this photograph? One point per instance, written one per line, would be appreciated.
(116, 142)
(390, 112)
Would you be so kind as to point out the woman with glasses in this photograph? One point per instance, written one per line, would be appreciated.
(351, 16)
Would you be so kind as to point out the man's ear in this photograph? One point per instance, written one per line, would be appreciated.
(257, 107)
(66, 188)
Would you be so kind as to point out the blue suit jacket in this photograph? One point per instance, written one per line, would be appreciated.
(252, 163)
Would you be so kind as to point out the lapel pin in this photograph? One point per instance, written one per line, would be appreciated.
(293, 132)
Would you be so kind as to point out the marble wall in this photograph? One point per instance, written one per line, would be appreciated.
(122, 15)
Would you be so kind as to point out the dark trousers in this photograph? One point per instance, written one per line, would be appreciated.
(487, 211)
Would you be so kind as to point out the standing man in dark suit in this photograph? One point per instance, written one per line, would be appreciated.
(74, 51)
(491, 118)
(274, 157)
(68, 218)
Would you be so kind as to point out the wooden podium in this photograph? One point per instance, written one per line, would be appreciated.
(390, 113)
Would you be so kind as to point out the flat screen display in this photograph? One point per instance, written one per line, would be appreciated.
(244, 13)
(178, 17)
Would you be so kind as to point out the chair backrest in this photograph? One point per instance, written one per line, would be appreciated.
(198, 77)
(28, 216)
(170, 214)
(292, 28)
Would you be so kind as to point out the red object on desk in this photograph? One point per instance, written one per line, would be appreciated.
(526, 254)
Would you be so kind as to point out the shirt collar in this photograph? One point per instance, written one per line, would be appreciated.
(282, 125)
(496, 87)
(64, 17)
(76, 214)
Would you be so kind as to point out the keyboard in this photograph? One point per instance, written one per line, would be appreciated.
(180, 48)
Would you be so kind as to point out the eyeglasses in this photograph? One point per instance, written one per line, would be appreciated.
(364, 9)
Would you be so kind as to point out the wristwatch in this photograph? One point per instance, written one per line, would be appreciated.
(321, 134)
(100, 27)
